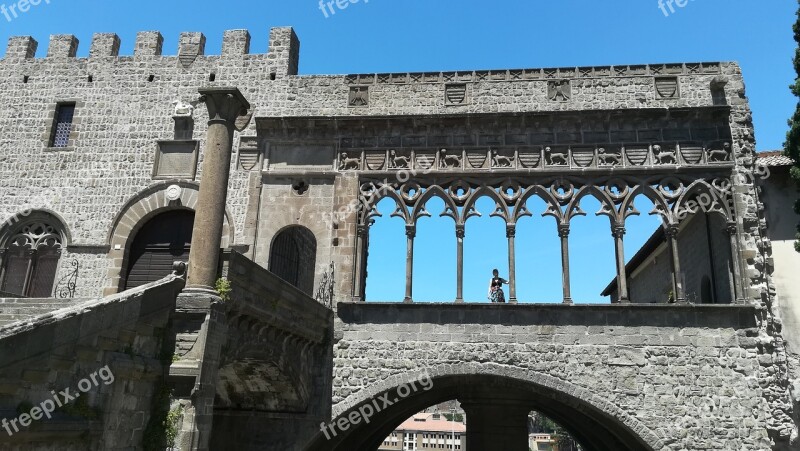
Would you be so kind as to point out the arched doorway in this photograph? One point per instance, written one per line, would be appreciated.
(293, 257)
(163, 240)
(496, 413)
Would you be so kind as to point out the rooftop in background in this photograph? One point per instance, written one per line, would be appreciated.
(425, 422)
(775, 158)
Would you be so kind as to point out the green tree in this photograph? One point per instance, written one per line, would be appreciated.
(792, 146)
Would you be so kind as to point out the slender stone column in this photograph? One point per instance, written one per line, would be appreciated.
(511, 233)
(225, 105)
(671, 232)
(460, 234)
(738, 291)
(358, 277)
(563, 232)
(411, 233)
(618, 231)
(496, 424)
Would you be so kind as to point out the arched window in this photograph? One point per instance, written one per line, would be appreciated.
(293, 256)
(30, 256)
(163, 240)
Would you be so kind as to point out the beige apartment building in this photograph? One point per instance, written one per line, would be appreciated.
(542, 442)
(426, 431)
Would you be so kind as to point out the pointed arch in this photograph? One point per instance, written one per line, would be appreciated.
(477, 194)
(419, 210)
(608, 206)
(385, 192)
(713, 203)
(521, 207)
(660, 205)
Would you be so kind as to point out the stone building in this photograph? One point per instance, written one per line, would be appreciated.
(704, 249)
(115, 167)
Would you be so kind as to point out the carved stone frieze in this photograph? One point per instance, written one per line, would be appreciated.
(536, 74)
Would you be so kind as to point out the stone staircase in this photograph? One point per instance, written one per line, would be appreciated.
(13, 310)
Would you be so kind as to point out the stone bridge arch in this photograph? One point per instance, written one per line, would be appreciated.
(484, 388)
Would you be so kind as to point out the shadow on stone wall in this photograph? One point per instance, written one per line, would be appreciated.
(118, 338)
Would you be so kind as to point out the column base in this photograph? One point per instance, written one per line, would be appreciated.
(459, 301)
(200, 289)
(408, 301)
(197, 298)
(513, 301)
(569, 301)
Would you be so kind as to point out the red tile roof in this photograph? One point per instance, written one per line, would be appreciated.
(775, 158)
(425, 423)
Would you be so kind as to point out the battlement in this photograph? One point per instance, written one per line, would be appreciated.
(284, 47)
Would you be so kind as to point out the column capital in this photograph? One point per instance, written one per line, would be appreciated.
(411, 231)
(618, 230)
(461, 231)
(224, 104)
(563, 230)
(731, 228)
(362, 230)
(511, 230)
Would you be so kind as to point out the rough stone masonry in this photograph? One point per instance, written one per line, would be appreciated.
(669, 377)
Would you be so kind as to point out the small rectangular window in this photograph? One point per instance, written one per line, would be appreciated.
(65, 112)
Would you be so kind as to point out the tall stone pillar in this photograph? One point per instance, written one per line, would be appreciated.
(671, 232)
(736, 280)
(563, 233)
(511, 233)
(618, 232)
(362, 231)
(411, 233)
(460, 234)
(199, 313)
(225, 105)
(496, 424)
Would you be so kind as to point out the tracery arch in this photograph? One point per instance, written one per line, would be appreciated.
(671, 197)
(30, 251)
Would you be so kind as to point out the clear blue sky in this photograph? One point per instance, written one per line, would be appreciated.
(430, 35)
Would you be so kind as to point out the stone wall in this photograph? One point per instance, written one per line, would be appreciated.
(275, 370)
(122, 111)
(57, 351)
(284, 206)
(651, 283)
(125, 105)
(681, 377)
(704, 250)
(778, 197)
